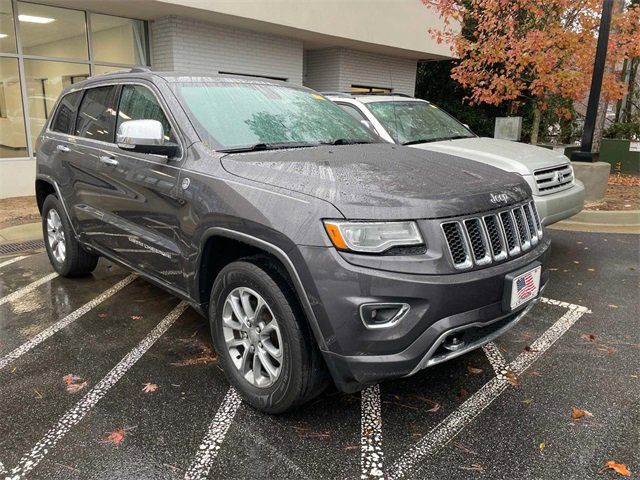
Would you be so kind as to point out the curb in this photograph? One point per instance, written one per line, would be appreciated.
(599, 221)
(21, 233)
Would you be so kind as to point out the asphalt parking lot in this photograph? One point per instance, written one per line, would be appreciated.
(109, 377)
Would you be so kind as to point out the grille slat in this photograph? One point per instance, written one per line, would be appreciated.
(493, 237)
(553, 179)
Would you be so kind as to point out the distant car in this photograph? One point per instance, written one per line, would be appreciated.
(410, 121)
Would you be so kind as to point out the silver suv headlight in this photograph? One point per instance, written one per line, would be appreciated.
(372, 237)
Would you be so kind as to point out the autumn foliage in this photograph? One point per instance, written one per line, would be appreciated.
(529, 50)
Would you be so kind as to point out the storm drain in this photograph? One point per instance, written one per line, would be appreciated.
(21, 247)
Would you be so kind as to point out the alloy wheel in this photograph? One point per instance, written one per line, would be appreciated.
(252, 337)
(55, 236)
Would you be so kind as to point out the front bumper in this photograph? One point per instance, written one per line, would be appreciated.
(558, 206)
(468, 303)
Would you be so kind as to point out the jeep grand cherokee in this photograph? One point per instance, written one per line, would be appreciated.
(317, 252)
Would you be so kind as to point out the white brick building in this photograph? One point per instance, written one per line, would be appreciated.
(328, 45)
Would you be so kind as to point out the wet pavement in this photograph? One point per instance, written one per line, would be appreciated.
(109, 377)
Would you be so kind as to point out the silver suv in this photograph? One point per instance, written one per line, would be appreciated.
(421, 124)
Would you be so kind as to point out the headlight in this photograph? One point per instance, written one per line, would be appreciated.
(372, 237)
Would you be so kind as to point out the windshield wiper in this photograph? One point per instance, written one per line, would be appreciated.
(347, 141)
(267, 146)
(437, 139)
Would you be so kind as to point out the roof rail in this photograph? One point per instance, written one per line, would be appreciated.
(140, 70)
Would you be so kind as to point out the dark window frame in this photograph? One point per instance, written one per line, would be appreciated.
(75, 114)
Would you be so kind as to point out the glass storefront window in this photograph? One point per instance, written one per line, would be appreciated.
(7, 34)
(52, 32)
(13, 142)
(45, 80)
(101, 69)
(118, 40)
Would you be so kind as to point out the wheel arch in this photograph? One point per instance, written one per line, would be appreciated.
(235, 245)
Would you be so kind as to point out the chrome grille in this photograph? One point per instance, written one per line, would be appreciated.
(553, 179)
(478, 241)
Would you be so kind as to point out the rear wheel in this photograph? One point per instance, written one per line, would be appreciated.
(66, 255)
(262, 339)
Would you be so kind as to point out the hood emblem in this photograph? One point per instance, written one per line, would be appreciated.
(498, 198)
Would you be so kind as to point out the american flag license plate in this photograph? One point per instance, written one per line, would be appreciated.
(525, 287)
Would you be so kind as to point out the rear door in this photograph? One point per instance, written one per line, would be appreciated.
(141, 198)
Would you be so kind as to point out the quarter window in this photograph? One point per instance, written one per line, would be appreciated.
(97, 115)
(139, 103)
(65, 117)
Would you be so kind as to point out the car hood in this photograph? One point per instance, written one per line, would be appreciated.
(382, 181)
(510, 156)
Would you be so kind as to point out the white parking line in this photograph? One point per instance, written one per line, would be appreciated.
(66, 321)
(75, 414)
(24, 290)
(446, 430)
(212, 441)
(13, 260)
(371, 453)
(495, 358)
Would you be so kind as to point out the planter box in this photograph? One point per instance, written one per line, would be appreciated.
(622, 155)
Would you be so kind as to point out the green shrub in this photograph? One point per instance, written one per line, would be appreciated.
(623, 131)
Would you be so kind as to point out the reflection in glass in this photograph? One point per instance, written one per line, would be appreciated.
(102, 69)
(13, 142)
(52, 32)
(7, 34)
(45, 80)
(118, 40)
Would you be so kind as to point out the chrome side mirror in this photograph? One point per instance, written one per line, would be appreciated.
(144, 136)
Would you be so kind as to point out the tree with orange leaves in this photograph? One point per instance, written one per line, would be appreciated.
(522, 51)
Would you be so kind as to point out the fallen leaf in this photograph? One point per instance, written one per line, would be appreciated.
(527, 401)
(462, 393)
(575, 261)
(608, 350)
(70, 378)
(542, 446)
(590, 337)
(578, 413)
(475, 370)
(136, 317)
(591, 269)
(513, 379)
(114, 437)
(611, 305)
(76, 387)
(618, 468)
(149, 387)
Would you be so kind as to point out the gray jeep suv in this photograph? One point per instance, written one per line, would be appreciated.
(316, 251)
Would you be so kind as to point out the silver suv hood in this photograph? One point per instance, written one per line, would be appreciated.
(510, 156)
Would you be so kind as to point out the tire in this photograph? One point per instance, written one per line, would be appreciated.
(302, 374)
(74, 261)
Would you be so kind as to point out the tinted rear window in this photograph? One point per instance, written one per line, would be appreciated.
(97, 115)
(66, 114)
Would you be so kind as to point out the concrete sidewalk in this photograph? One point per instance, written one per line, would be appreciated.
(602, 222)
(21, 233)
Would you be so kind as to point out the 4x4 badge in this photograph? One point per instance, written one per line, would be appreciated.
(185, 183)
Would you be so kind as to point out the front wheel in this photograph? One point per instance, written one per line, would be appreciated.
(262, 339)
(66, 255)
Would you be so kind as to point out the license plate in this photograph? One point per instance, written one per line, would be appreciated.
(525, 287)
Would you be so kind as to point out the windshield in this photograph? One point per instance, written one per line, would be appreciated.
(237, 116)
(417, 122)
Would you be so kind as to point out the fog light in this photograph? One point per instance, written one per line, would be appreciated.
(382, 315)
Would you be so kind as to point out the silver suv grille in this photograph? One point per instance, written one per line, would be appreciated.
(553, 179)
(482, 240)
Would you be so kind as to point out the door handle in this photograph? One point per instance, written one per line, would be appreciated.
(62, 148)
(107, 160)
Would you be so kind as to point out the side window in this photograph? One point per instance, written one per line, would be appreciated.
(97, 114)
(139, 103)
(353, 111)
(65, 116)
